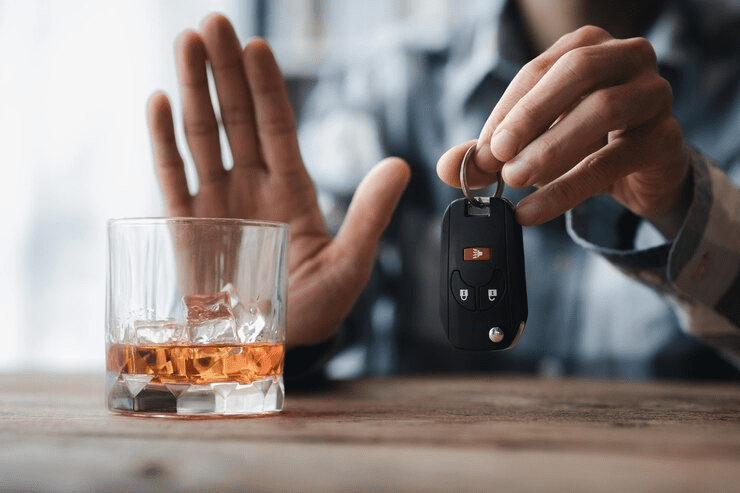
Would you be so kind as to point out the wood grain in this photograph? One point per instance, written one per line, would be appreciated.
(426, 433)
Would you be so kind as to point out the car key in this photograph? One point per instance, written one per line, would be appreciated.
(483, 284)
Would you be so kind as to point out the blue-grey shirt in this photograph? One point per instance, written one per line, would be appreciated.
(608, 296)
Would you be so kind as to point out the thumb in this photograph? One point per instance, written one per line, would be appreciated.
(371, 210)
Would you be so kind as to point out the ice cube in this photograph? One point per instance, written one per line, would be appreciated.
(217, 330)
(204, 307)
(250, 321)
(158, 332)
(210, 318)
(254, 321)
(230, 290)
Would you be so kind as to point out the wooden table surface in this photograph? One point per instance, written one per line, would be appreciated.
(433, 433)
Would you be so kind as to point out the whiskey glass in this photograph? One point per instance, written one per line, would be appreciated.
(195, 316)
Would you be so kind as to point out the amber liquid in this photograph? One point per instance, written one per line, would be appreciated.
(198, 364)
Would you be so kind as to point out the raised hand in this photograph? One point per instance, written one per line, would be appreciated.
(589, 116)
(267, 180)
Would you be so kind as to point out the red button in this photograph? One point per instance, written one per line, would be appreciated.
(477, 254)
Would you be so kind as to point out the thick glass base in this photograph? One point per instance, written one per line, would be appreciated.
(136, 394)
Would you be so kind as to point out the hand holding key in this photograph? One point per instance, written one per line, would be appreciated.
(588, 116)
(268, 180)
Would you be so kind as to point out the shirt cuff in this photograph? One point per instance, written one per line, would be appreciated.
(705, 258)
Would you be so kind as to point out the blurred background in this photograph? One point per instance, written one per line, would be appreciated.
(366, 79)
(74, 82)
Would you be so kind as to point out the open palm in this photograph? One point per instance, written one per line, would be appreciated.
(267, 180)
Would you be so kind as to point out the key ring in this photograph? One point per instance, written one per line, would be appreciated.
(464, 181)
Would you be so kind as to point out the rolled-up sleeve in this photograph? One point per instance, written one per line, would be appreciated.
(699, 271)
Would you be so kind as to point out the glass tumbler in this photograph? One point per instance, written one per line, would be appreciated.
(195, 316)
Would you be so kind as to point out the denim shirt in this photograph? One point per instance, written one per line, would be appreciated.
(608, 296)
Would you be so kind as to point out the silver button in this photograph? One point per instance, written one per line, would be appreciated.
(496, 334)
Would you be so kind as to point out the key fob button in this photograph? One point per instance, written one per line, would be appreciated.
(489, 294)
(463, 293)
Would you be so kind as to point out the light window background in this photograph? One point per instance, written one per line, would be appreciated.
(74, 80)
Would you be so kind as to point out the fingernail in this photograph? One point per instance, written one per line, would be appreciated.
(483, 157)
(514, 174)
(503, 145)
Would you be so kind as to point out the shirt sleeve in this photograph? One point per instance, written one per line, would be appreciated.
(699, 271)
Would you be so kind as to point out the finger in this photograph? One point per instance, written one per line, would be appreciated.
(199, 119)
(525, 80)
(370, 213)
(448, 168)
(235, 102)
(594, 175)
(168, 164)
(276, 126)
(572, 77)
(565, 144)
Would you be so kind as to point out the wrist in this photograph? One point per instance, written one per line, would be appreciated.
(670, 223)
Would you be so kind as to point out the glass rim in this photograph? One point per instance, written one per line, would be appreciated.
(157, 220)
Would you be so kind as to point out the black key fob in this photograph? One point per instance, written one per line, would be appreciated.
(483, 285)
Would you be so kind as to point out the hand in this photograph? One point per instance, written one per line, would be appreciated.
(267, 180)
(589, 116)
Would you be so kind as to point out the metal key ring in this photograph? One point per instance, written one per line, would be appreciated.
(464, 180)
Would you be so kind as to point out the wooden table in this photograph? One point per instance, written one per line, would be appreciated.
(435, 433)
